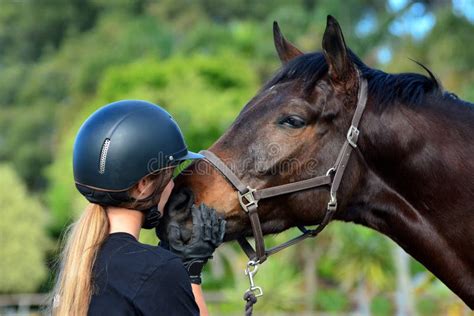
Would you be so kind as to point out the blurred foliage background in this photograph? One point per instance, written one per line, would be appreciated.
(203, 60)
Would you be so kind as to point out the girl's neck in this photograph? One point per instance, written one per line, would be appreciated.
(125, 220)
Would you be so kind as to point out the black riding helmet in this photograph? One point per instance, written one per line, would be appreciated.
(121, 143)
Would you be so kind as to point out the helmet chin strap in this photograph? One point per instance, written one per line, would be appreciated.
(152, 214)
(152, 217)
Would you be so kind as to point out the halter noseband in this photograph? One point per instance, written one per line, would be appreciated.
(249, 197)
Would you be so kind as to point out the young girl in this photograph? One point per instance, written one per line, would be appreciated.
(123, 162)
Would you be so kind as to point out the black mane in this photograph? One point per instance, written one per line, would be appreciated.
(407, 88)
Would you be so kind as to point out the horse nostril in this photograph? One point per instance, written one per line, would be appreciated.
(187, 198)
(177, 210)
(180, 202)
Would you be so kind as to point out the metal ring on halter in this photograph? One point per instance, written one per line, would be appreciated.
(331, 170)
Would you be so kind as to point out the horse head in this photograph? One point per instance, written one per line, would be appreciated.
(291, 130)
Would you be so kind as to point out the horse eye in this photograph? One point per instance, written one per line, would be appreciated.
(292, 121)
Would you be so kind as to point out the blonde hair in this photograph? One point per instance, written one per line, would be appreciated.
(74, 287)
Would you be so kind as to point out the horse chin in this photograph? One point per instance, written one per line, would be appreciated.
(235, 230)
(231, 236)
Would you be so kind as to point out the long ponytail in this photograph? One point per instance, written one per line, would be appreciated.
(74, 288)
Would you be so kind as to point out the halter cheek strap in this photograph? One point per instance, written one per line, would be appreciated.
(249, 197)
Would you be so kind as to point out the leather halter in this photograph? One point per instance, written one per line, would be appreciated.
(249, 197)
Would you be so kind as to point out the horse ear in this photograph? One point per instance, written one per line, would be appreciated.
(286, 51)
(335, 52)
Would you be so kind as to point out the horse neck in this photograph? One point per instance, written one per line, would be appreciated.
(423, 153)
(419, 189)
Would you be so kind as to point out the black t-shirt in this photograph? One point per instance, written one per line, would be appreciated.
(131, 278)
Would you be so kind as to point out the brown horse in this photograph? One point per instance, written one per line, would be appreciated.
(411, 176)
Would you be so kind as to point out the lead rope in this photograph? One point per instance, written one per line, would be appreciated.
(251, 299)
(254, 291)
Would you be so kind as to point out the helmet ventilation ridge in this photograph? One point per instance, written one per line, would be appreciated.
(103, 155)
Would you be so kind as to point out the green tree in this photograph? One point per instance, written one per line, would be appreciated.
(362, 261)
(23, 240)
(203, 93)
(38, 99)
(29, 29)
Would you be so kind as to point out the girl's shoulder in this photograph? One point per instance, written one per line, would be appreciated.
(124, 250)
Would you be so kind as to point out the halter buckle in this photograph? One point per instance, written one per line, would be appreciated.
(247, 199)
(332, 204)
(352, 136)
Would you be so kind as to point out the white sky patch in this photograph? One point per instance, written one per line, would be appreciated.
(384, 55)
(396, 5)
(417, 22)
(464, 7)
(367, 25)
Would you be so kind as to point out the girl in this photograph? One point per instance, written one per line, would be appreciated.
(123, 162)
